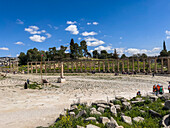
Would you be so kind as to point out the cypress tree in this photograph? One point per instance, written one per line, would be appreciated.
(164, 46)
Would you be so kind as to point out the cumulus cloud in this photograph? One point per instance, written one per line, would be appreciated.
(89, 33)
(18, 21)
(120, 51)
(19, 43)
(95, 23)
(48, 35)
(79, 38)
(37, 38)
(167, 37)
(33, 30)
(73, 29)
(121, 38)
(100, 48)
(91, 41)
(70, 22)
(88, 23)
(167, 32)
(4, 48)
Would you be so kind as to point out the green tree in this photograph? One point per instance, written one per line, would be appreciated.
(123, 56)
(22, 59)
(103, 54)
(164, 46)
(72, 49)
(83, 45)
(95, 54)
(115, 54)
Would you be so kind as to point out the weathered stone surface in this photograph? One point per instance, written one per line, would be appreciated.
(101, 109)
(166, 121)
(95, 112)
(79, 126)
(154, 98)
(138, 99)
(90, 119)
(166, 96)
(72, 114)
(112, 123)
(91, 126)
(92, 109)
(81, 113)
(119, 97)
(123, 100)
(117, 107)
(113, 110)
(104, 120)
(135, 102)
(103, 106)
(154, 114)
(73, 107)
(100, 102)
(167, 104)
(138, 119)
(127, 119)
(119, 127)
(126, 105)
(142, 111)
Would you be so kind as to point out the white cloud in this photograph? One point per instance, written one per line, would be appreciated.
(168, 37)
(3, 48)
(19, 43)
(43, 31)
(91, 41)
(89, 33)
(121, 38)
(79, 38)
(70, 22)
(37, 38)
(17, 55)
(95, 23)
(156, 49)
(33, 30)
(49, 25)
(88, 23)
(120, 51)
(73, 29)
(100, 48)
(48, 35)
(8, 55)
(18, 21)
(167, 32)
(55, 27)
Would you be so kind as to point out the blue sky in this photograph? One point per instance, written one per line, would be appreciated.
(130, 26)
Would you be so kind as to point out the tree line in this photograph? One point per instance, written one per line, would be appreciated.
(76, 51)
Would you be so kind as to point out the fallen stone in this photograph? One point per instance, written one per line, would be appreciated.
(95, 112)
(123, 100)
(103, 106)
(154, 114)
(119, 127)
(135, 102)
(72, 114)
(142, 111)
(90, 119)
(104, 120)
(100, 102)
(166, 96)
(154, 98)
(167, 104)
(138, 119)
(166, 121)
(101, 109)
(113, 110)
(117, 107)
(91, 126)
(79, 126)
(139, 99)
(127, 119)
(81, 113)
(92, 109)
(112, 123)
(126, 105)
(119, 97)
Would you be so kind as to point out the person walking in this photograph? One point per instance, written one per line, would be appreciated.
(169, 87)
(28, 81)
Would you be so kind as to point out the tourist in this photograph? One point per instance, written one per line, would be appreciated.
(28, 81)
(138, 93)
(25, 86)
(153, 74)
(156, 91)
(158, 87)
(154, 86)
(161, 91)
(169, 87)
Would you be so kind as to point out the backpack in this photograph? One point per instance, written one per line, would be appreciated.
(169, 87)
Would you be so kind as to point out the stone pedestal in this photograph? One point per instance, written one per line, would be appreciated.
(61, 80)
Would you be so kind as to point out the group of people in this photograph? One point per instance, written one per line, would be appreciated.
(26, 84)
(158, 89)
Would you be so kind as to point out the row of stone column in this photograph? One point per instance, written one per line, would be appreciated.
(13, 66)
(91, 65)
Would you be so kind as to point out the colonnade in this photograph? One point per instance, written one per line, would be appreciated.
(115, 65)
(10, 66)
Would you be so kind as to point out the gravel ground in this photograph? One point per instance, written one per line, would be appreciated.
(21, 108)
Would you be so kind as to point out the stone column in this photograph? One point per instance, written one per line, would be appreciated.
(72, 68)
(108, 66)
(149, 62)
(123, 68)
(113, 66)
(138, 65)
(50, 66)
(94, 63)
(45, 67)
(54, 67)
(127, 65)
(118, 65)
(31, 68)
(17, 66)
(28, 68)
(133, 65)
(81, 66)
(144, 66)
(90, 65)
(98, 66)
(10, 66)
(156, 65)
(168, 65)
(85, 66)
(162, 65)
(62, 70)
(76, 66)
(36, 66)
(103, 66)
(68, 66)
